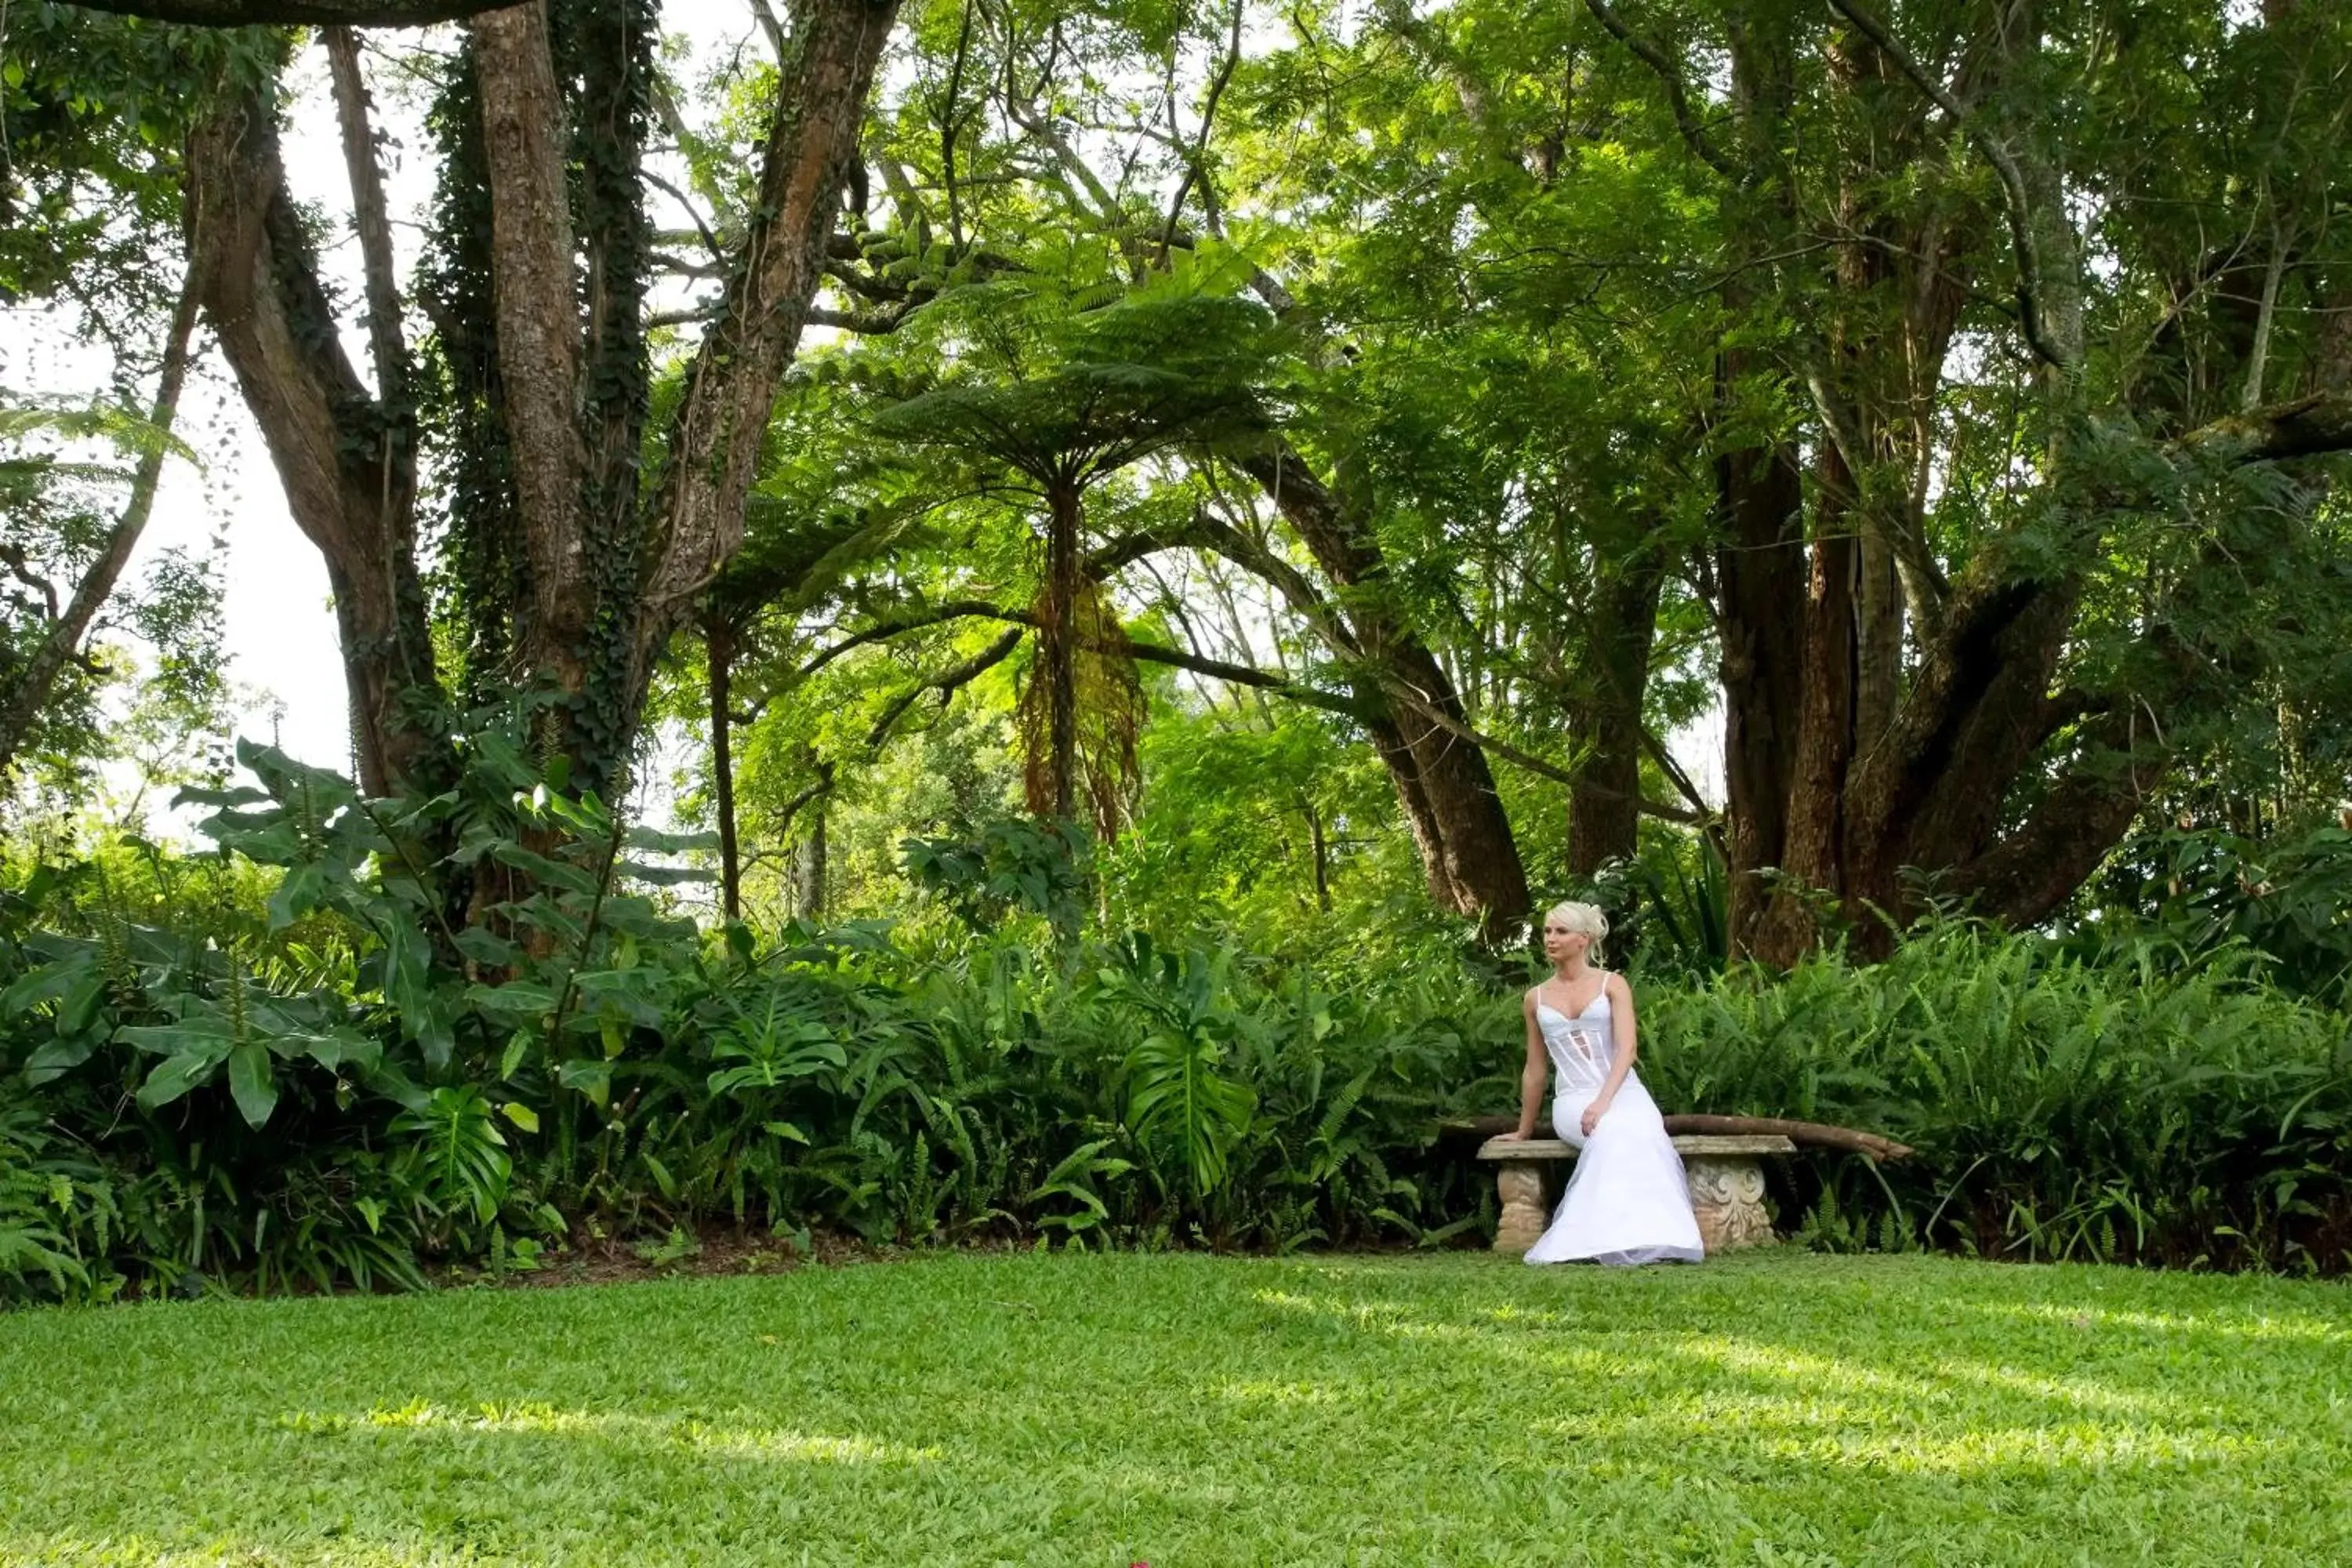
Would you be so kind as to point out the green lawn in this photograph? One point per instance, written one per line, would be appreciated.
(1189, 1410)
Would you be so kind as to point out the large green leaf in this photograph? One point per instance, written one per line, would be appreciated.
(253, 1082)
(176, 1075)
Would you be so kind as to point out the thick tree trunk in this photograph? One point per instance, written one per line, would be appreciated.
(1442, 783)
(1814, 836)
(719, 649)
(1761, 577)
(1604, 807)
(346, 462)
(612, 573)
(30, 693)
(1878, 640)
(536, 306)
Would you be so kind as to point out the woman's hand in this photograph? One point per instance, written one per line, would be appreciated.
(1592, 1115)
(1510, 1137)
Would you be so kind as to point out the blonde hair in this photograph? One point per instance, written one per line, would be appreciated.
(1583, 918)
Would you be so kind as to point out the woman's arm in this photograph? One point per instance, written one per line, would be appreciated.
(1531, 1076)
(1620, 1055)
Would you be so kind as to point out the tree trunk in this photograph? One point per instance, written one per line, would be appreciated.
(1318, 845)
(536, 306)
(1813, 834)
(714, 440)
(346, 462)
(30, 692)
(1760, 573)
(1878, 629)
(611, 572)
(809, 896)
(718, 648)
(1604, 807)
(1057, 654)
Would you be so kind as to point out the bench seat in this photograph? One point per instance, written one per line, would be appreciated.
(1726, 1186)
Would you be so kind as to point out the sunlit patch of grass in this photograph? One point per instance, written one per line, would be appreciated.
(1192, 1410)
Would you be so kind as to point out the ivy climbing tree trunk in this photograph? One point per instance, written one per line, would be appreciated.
(345, 458)
(615, 570)
(546, 358)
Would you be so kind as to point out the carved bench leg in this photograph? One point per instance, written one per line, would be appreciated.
(1727, 1196)
(1520, 1186)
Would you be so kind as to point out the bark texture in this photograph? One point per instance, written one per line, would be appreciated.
(719, 651)
(1604, 807)
(714, 443)
(346, 460)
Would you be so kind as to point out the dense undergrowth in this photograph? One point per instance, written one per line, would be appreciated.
(364, 1042)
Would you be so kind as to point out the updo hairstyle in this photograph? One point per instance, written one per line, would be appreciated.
(1582, 918)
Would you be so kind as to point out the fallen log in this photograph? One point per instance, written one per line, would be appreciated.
(1804, 1135)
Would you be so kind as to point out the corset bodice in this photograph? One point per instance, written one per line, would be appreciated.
(1579, 1047)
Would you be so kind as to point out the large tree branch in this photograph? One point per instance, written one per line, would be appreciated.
(1677, 93)
(2025, 877)
(937, 615)
(372, 219)
(947, 683)
(2307, 427)
(350, 485)
(722, 418)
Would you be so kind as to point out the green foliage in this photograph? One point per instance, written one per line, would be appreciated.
(1014, 865)
(2288, 899)
(2127, 1110)
(373, 1064)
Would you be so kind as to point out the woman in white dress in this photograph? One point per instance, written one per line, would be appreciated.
(1629, 1201)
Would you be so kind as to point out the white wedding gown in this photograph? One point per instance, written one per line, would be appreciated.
(1629, 1201)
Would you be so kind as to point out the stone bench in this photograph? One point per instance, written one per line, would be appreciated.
(1726, 1186)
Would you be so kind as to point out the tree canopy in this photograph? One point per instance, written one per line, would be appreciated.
(1943, 401)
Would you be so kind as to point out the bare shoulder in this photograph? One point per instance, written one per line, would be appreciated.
(1620, 989)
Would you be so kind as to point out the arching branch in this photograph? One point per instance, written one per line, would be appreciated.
(1678, 94)
(947, 683)
(280, 12)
